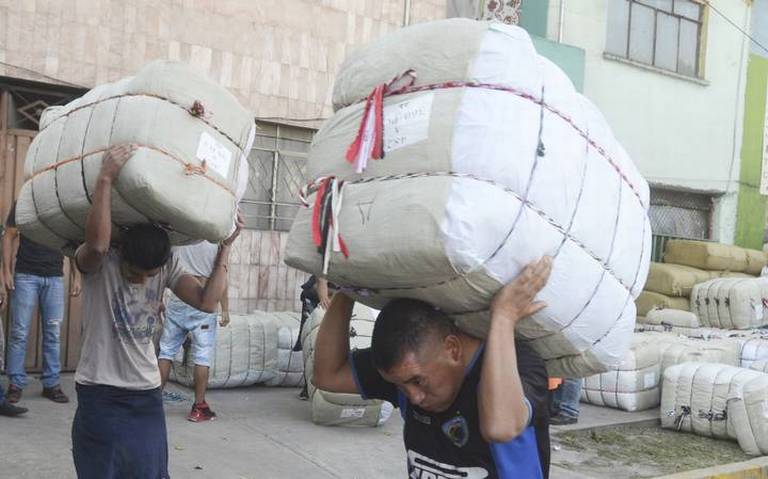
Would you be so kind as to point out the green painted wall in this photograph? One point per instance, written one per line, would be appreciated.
(569, 59)
(750, 220)
(533, 16)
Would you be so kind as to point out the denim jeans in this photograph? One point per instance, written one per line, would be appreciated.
(567, 396)
(48, 294)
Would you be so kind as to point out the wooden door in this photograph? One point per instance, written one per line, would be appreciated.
(13, 149)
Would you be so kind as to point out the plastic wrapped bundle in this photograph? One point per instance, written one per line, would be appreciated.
(486, 145)
(290, 364)
(333, 409)
(188, 173)
(731, 303)
(719, 401)
(245, 354)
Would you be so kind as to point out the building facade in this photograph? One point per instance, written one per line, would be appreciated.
(670, 77)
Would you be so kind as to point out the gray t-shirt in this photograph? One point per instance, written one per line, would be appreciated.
(197, 259)
(119, 322)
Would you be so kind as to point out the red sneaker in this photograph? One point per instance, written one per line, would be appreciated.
(201, 412)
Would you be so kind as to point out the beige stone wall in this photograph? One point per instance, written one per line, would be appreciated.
(278, 56)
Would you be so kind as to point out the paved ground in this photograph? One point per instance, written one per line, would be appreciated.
(261, 432)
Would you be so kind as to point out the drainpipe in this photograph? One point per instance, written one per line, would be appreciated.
(407, 13)
(561, 22)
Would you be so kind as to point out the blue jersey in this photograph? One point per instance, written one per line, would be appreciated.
(448, 445)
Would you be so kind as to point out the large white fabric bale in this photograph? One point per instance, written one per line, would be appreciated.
(290, 364)
(479, 180)
(245, 354)
(188, 173)
(719, 401)
(731, 303)
(333, 409)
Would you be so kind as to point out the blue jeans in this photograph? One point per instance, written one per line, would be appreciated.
(567, 396)
(48, 294)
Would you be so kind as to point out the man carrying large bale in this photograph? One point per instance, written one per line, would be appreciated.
(474, 408)
(119, 427)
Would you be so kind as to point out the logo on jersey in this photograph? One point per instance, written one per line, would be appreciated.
(422, 467)
(457, 431)
(421, 418)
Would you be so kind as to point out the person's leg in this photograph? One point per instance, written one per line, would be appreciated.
(51, 300)
(93, 444)
(569, 403)
(23, 302)
(8, 409)
(203, 344)
(201, 383)
(171, 340)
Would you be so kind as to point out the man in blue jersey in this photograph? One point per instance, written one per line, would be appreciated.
(472, 409)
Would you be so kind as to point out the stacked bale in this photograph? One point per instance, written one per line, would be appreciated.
(719, 401)
(636, 384)
(253, 348)
(688, 263)
(290, 364)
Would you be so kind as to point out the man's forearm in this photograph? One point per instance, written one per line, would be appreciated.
(7, 267)
(98, 225)
(216, 286)
(332, 344)
(501, 398)
(224, 301)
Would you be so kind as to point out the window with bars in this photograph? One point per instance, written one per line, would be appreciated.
(277, 172)
(666, 34)
(678, 214)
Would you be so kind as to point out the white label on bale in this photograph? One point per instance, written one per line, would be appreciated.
(214, 154)
(649, 380)
(407, 122)
(352, 412)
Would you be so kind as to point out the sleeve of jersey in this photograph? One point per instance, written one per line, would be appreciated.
(367, 378)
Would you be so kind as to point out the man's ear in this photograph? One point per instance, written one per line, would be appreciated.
(454, 347)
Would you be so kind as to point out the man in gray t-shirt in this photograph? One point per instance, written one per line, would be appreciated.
(119, 426)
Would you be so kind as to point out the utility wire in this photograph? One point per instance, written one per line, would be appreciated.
(709, 4)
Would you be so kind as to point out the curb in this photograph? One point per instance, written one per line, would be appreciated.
(752, 469)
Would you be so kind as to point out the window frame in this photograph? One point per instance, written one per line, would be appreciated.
(275, 221)
(701, 36)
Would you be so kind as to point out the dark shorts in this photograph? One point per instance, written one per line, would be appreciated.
(119, 434)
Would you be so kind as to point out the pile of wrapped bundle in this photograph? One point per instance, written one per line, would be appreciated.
(457, 155)
(254, 348)
(188, 173)
(689, 263)
(669, 339)
(636, 383)
(719, 401)
(335, 409)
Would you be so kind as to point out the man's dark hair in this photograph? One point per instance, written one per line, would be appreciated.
(403, 326)
(145, 246)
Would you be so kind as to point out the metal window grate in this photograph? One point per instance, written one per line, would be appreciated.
(677, 214)
(277, 172)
